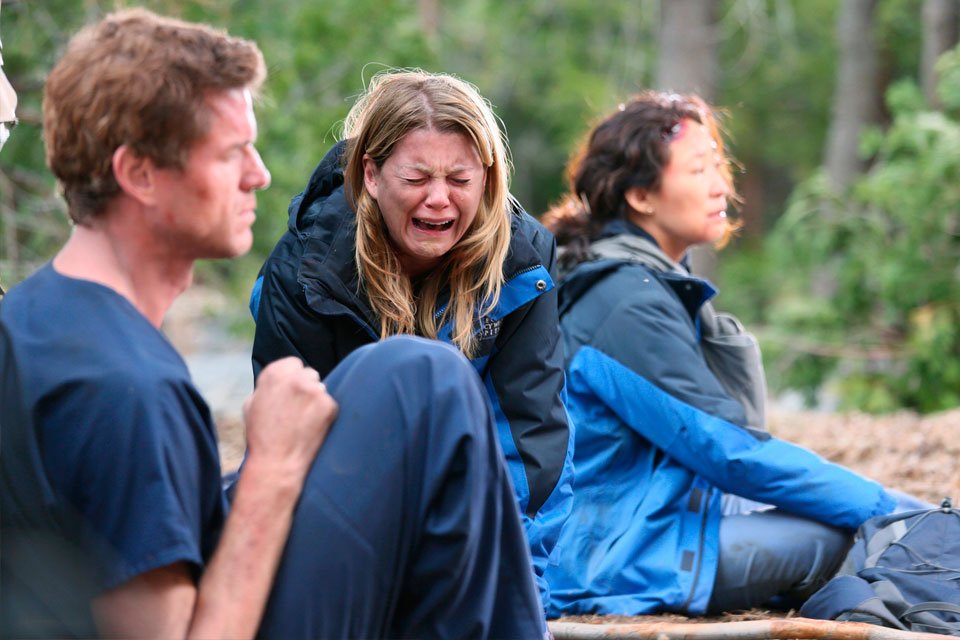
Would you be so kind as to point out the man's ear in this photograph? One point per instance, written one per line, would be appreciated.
(135, 174)
(639, 200)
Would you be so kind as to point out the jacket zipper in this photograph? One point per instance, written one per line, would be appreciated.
(703, 535)
(439, 312)
(363, 325)
(519, 273)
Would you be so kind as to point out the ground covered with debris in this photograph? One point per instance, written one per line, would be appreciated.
(916, 454)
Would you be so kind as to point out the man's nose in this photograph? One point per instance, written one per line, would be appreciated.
(257, 176)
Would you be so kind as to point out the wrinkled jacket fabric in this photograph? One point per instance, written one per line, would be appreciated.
(308, 303)
(658, 442)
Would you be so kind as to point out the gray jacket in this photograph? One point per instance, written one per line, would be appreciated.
(731, 353)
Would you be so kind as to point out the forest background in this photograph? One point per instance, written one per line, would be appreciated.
(844, 116)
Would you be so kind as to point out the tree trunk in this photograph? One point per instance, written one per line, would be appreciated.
(9, 218)
(687, 63)
(940, 30)
(429, 14)
(856, 98)
(751, 212)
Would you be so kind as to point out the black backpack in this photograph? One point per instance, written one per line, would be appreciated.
(903, 571)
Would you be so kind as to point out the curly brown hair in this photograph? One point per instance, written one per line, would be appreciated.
(140, 80)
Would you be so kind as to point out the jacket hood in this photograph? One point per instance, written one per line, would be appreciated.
(325, 226)
(583, 279)
(616, 236)
(617, 248)
(627, 246)
(627, 249)
(326, 178)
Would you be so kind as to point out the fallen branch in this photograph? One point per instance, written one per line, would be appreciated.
(779, 628)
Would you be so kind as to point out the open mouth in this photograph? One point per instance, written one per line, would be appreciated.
(432, 226)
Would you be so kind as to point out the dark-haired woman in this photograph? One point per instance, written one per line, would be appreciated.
(683, 501)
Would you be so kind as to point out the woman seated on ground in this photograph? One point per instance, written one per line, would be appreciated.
(407, 227)
(683, 502)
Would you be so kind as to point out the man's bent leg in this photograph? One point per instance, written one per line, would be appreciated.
(764, 554)
(407, 525)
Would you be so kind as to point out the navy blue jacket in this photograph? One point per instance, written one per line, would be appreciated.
(308, 303)
(658, 442)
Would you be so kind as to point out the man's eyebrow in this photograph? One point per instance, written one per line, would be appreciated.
(243, 144)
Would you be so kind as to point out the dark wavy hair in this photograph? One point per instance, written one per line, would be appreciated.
(627, 148)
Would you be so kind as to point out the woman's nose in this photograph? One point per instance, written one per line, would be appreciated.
(438, 194)
(720, 185)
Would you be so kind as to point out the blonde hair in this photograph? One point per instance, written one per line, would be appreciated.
(394, 104)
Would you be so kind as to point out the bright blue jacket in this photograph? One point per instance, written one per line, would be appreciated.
(658, 442)
(308, 303)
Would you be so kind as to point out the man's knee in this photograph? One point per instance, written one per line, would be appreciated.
(406, 355)
(418, 370)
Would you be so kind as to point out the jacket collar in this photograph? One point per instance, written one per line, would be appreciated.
(636, 248)
(625, 228)
(616, 251)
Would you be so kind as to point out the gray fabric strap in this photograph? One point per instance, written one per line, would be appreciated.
(946, 607)
(921, 615)
(881, 540)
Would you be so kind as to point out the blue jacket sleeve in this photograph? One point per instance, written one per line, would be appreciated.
(528, 380)
(734, 459)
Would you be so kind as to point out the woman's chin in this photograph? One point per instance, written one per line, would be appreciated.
(717, 230)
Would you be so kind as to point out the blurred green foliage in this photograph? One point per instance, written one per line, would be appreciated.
(867, 291)
(854, 288)
(548, 67)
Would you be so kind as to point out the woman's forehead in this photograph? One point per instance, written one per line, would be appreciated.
(691, 141)
(429, 146)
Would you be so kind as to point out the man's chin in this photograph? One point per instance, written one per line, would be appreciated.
(241, 246)
(242, 251)
(228, 253)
